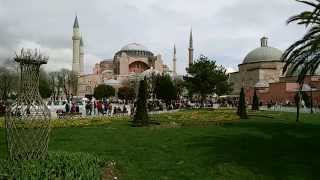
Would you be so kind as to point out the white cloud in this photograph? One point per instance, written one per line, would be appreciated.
(225, 30)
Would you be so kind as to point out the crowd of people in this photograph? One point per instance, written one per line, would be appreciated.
(97, 107)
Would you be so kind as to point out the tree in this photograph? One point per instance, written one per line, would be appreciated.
(303, 56)
(255, 101)
(141, 115)
(103, 91)
(297, 99)
(54, 84)
(126, 93)
(44, 86)
(206, 77)
(242, 112)
(166, 89)
(9, 79)
(8, 83)
(68, 81)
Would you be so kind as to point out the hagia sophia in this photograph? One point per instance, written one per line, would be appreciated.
(261, 70)
(130, 61)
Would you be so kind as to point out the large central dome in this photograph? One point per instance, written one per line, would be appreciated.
(135, 50)
(263, 53)
(134, 47)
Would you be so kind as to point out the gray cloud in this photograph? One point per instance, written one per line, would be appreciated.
(224, 30)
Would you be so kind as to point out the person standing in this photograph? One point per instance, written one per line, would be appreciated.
(67, 107)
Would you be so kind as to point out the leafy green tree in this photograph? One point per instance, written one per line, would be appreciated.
(126, 93)
(206, 77)
(166, 89)
(103, 91)
(44, 86)
(242, 112)
(141, 115)
(255, 101)
(303, 56)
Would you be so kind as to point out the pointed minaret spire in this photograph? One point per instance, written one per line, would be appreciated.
(190, 48)
(191, 40)
(81, 42)
(76, 23)
(174, 60)
(76, 39)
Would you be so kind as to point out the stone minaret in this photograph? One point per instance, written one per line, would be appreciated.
(190, 49)
(174, 61)
(76, 46)
(81, 56)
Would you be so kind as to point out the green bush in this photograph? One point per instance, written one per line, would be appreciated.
(59, 165)
(242, 112)
(255, 101)
(141, 115)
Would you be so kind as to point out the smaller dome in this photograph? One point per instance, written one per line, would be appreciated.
(263, 53)
(134, 47)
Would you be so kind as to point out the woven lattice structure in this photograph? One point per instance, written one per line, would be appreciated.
(28, 119)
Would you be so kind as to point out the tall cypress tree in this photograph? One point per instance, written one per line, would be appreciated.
(255, 101)
(141, 115)
(242, 112)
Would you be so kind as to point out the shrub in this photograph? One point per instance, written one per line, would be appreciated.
(103, 91)
(141, 115)
(59, 165)
(126, 93)
(255, 101)
(242, 112)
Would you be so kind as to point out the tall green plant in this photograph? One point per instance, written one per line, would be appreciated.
(242, 112)
(141, 115)
(255, 101)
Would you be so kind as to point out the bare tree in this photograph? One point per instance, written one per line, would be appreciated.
(8, 79)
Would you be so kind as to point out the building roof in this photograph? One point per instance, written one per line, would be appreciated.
(263, 53)
(76, 23)
(134, 47)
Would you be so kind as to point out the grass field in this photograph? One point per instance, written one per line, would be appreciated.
(191, 145)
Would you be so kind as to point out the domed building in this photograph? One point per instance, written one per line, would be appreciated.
(130, 61)
(260, 67)
(135, 58)
(261, 70)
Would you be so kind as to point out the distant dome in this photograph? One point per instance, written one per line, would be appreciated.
(134, 47)
(263, 53)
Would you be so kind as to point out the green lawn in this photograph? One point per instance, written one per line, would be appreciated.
(267, 146)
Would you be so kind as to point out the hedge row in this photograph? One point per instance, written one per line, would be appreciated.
(59, 165)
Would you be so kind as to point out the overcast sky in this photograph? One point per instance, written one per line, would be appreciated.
(223, 30)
